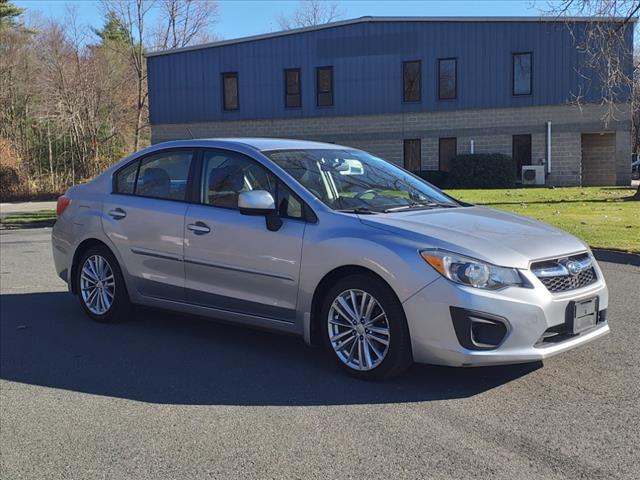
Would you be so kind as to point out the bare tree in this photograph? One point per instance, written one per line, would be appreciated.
(69, 106)
(180, 23)
(132, 17)
(606, 57)
(310, 13)
(603, 43)
(61, 105)
(635, 104)
(184, 22)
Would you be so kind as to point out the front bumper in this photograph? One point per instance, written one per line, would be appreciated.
(529, 312)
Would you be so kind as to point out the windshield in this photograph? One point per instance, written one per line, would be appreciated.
(353, 180)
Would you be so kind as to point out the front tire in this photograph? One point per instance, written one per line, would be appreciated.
(100, 286)
(365, 328)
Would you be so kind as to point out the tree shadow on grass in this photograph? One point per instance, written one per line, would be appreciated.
(555, 202)
(166, 358)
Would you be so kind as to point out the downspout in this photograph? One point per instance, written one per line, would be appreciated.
(548, 148)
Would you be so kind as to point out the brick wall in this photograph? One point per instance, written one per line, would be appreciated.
(491, 130)
(623, 157)
(565, 158)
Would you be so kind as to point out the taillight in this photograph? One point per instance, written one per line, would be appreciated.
(63, 203)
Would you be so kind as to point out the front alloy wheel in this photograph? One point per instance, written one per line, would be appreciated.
(358, 330)
(365, 328)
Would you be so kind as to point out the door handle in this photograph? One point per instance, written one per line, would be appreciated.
(117, 213)
(199, 228)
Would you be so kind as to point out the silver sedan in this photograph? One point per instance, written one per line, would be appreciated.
(329, 243)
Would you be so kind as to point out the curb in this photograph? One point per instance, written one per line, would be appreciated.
(616, 256)
(21, 226)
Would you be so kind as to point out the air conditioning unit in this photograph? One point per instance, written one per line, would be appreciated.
(533, 175)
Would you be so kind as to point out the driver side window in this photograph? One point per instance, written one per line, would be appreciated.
(227, 174)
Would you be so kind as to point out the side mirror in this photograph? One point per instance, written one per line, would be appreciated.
(260, 202)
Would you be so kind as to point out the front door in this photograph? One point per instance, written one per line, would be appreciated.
(144, 218)
(232, 261)
(412, 160)
(521, 152)
(598, 159)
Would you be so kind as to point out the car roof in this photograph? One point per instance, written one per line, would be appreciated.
(257, 143)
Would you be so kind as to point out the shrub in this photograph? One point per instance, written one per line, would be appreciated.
(482, 170)
(10, 183)
(434, 177)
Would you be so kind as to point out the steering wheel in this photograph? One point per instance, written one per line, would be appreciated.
(359, 195)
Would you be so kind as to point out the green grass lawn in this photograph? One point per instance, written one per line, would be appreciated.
(48, 216)
(595, 214)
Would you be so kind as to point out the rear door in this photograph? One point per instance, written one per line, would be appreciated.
(144, 218)
(232, 261)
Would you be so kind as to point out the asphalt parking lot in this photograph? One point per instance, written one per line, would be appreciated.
(167, 396)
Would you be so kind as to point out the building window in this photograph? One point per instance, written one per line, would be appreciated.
(447, 150)
(521, 151)
(447, 78)
(292, 91)
(412, 157)
(230, 91)
(411, 80)
(324, 86)
(522, 73)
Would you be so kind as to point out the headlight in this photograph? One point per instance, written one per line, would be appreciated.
(472, 272)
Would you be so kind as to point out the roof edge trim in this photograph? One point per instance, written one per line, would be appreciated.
(369, 19)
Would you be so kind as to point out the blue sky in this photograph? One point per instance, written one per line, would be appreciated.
(239, 18)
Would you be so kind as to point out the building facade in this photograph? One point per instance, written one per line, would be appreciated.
(415, 91)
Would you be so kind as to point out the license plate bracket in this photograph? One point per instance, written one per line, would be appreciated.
(583, 315)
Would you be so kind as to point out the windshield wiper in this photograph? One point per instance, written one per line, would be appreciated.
(361, 210)
(418, 205)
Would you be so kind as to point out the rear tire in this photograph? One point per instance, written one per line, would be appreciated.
(100, 286)
(365, 329)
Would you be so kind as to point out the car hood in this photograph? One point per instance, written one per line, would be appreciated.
(497, 237)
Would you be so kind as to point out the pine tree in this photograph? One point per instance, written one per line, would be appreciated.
(112, 30)
(9, 13)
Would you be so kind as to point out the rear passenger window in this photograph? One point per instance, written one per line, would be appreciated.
(126, 178)
(164, 175)
(226, 174)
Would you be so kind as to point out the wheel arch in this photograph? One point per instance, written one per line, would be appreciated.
(325, 284)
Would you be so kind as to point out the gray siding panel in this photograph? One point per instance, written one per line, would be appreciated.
(367, 60)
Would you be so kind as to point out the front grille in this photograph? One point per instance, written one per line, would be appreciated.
(569, 282)
(555, 274)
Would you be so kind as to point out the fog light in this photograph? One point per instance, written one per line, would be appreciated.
(478, 330)
(487, 333)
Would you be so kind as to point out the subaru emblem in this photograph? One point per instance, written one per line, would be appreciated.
(574, 267)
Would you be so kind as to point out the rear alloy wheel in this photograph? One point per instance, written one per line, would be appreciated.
(100, 285)
(97, 285)
(365, 328)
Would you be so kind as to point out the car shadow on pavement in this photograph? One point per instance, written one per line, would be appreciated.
(46, 340)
